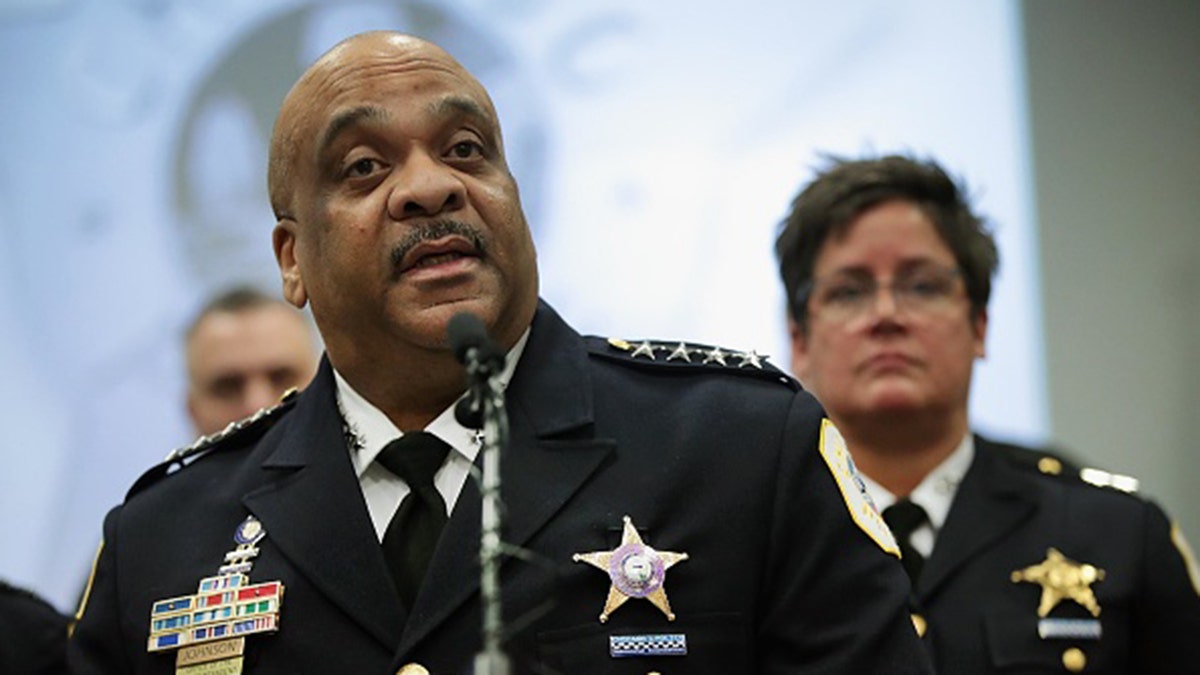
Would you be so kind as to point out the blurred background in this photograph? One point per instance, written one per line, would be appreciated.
(657, 145)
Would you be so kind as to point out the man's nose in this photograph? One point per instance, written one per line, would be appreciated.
(426, 187)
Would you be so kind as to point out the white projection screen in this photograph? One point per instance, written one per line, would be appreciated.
(657, 145)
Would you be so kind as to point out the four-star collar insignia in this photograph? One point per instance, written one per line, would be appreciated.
(209, 628)
(1062, 579)
(636, 571)
(682, 351)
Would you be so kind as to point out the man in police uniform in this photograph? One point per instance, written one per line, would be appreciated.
(681, 509)
(1018, 565)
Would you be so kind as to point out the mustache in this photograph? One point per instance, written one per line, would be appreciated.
(433, 231)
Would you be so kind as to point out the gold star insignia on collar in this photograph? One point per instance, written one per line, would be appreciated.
(636, 571)
(1062, 579)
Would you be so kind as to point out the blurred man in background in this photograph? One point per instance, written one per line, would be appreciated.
(245, 349)
(1017, 563)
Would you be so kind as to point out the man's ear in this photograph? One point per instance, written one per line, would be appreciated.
(283, 238)
(979, 331)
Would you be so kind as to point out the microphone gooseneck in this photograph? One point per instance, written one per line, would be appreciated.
(483, 407)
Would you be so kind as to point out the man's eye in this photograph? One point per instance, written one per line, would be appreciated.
(465, 150)
(226, 388)
(282, 378)
(362, 167)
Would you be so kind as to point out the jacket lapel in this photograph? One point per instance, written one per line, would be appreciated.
(549, 457)
(315, 513)
(988, 505)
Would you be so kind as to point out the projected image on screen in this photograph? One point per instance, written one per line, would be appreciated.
(219, 173)
(656, 145)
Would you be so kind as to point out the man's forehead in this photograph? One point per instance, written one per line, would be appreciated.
(355, 81)
(370, 93)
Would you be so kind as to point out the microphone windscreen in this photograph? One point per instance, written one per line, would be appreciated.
(466, 331)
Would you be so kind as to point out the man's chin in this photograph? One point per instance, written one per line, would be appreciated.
(432, 319)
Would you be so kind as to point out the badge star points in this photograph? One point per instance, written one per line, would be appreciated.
(1062, 579)
(636, 571)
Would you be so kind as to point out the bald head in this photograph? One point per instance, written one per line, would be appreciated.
(397, 210)
(296, 137)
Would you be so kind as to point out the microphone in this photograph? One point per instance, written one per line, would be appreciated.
(483, 358)
(472, 347)
(484, 408)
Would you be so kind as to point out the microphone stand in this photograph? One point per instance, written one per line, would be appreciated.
(487, 397)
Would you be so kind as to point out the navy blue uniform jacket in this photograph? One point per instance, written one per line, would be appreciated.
(33, 635)
(719, 463)
(1005, 517)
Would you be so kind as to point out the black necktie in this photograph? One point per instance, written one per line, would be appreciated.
(904, 517)
(413, 532)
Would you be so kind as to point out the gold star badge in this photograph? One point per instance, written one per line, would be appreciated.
(1062, 579)
(636, 571)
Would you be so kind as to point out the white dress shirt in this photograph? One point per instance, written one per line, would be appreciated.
(371, 430)
(934, 494)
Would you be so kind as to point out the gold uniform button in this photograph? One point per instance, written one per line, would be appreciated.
(920, 624)
(1074, 660)
(412, 669)
(1049, 465)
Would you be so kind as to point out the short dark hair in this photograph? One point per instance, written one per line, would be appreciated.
(844, 188)
(233, 300)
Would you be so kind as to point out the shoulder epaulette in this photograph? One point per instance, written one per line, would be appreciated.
(235, 434)
(688, 356)
(1102, 478)
(1051, 464)
(258, 420)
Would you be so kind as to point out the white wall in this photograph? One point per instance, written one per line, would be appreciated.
(1115, 106)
